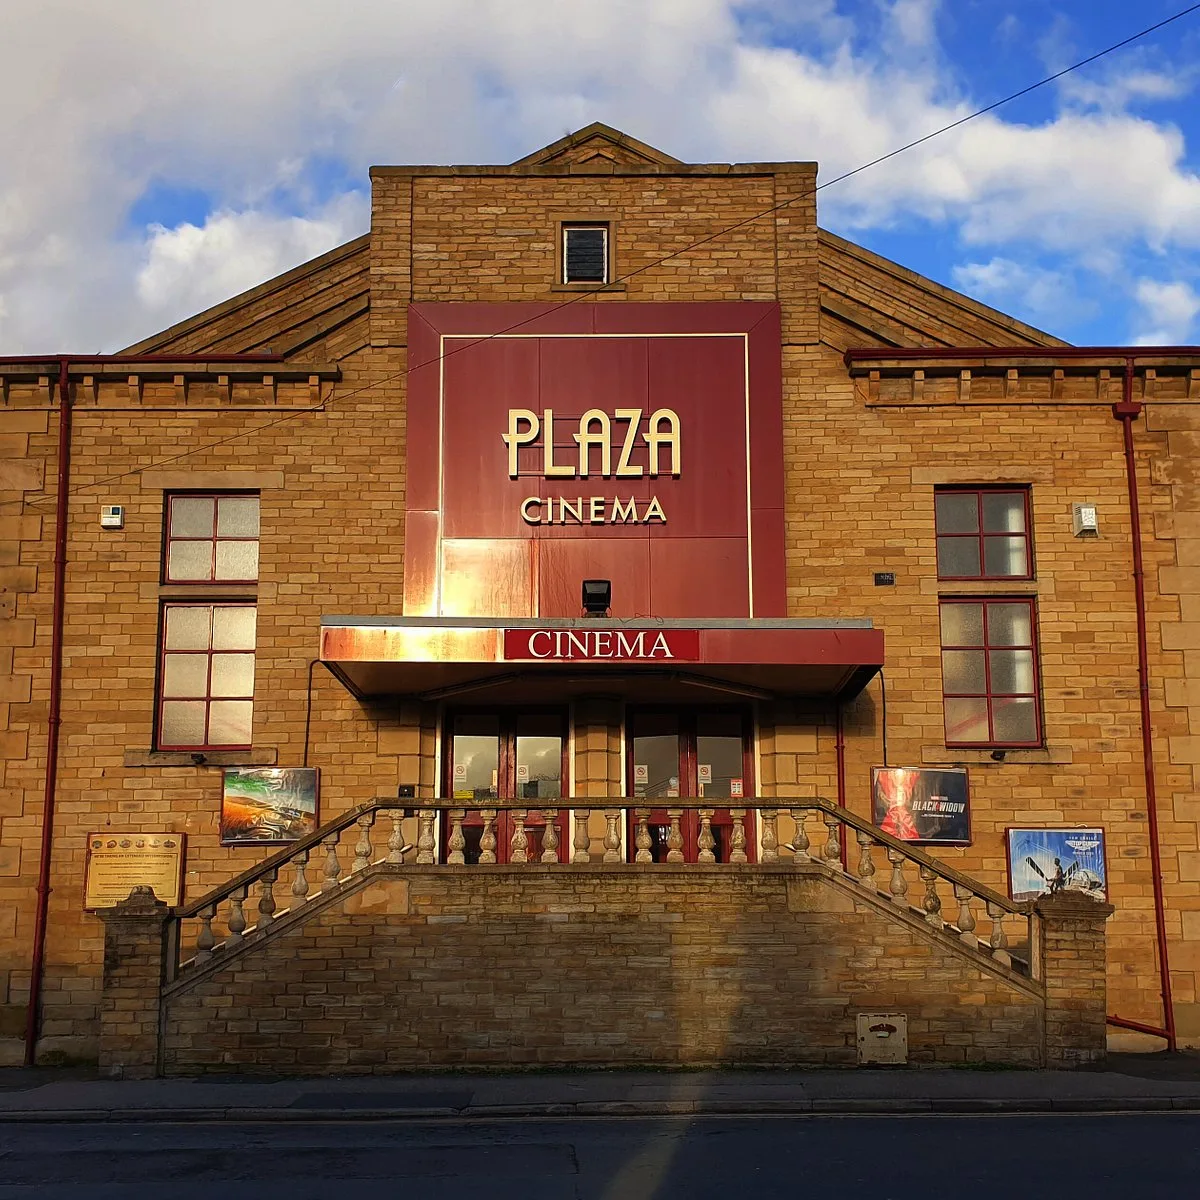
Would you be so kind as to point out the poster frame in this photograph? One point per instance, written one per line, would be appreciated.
(934, 841)
(235, 842)
(1009, 830)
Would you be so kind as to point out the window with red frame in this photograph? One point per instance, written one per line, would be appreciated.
(989, 672)
(212, 539)
(206, 683)
(983, 533)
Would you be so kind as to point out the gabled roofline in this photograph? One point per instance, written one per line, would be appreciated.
(600, 130)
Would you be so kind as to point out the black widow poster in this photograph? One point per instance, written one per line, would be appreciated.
(918, 805)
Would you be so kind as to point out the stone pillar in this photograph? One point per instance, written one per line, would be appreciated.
(134, 951)
(1069, 959)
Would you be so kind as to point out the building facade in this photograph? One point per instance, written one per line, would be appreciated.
(848, 519)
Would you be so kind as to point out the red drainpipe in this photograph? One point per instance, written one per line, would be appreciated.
(1126, 412)
(54, 719)
(841, 778)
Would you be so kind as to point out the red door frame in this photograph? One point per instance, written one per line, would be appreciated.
(686, 721)
(506, 778)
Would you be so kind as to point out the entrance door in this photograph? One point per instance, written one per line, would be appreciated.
(503, 755)
(702, 753)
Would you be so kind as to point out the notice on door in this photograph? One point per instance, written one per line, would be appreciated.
(119, 862)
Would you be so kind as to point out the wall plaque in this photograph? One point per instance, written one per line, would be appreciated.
(119, 862)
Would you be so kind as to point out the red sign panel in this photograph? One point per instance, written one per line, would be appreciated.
(600, 645)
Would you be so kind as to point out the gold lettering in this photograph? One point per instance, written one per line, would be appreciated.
(660, 643)
(596, 510)
(585, 439)
(528, 503)
(565, 506)
(622, 512)
(575, 642)
(515, 438)
(551, 467)
(634, 417)
(603, 644)
(655, 512)
(655, 438)
(631, 649)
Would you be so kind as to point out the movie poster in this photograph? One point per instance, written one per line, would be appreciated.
(917, 805)
(1044, 861)
(268, 804)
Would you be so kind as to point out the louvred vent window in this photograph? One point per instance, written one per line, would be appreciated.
(585, 254)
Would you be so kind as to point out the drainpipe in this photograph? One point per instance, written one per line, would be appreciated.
(54, 719)
(841, 777)
(1126, 412)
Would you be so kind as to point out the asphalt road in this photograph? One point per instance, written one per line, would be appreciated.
(755, 1158)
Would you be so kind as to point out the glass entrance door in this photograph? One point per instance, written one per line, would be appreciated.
(500, 755)
(701, 753)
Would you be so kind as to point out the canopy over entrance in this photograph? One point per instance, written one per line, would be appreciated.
(433, 658)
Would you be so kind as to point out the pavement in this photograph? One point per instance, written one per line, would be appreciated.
(1127, 1083)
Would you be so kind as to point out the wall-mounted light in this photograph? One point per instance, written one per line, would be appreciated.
(1084, 520)
(112, 516)
(597, 597)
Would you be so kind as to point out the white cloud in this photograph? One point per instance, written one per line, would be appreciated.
(1040, 291)
(140, 93)
(1168, 313)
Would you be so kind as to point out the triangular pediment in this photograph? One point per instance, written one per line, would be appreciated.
(597, 148)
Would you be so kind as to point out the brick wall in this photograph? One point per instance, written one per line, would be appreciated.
(672, 966)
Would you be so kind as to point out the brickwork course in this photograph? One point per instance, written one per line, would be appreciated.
(863, 451)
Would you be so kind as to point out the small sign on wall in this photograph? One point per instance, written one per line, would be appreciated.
(119, 862)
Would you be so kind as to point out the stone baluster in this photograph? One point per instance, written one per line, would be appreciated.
(518, 843)
(737, 838)
(932, 902)
(999, 938)
(642, 839)
(675, 836)
(582, 839)
(456, 843)
(300, 883)
(831, 852)
(333, 868)
(897, 885)
(866, 864)
(266, 903)
(396, 846)
(487, 839)
(770, 834)
(800, 842)
(362, 848)
(550, 836)
(705, 841)
(966, 919)
(612, 835)
(206, 939)
(237, 917)
(425, 838)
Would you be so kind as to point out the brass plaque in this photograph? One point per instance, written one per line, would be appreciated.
(119, 862)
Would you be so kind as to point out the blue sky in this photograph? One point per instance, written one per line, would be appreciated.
(166, 157)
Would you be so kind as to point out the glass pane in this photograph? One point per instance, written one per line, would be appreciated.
(237, 560)
(229, 722)
(1009, 625)
(1005, 556)
(233, 675)
(233, 627)
(476, 768)
(656, 765)
(958, 556)
(1004, 512)
(957, 512)
(237, 516)
(190, 560)
(191, 516)
(182, 723)
(1015, 720)
(966, 720)
(185, 675)
(962, 671)
(188, 626)
(539, 767)
(962, 624)
(1012, 671)
(723, 758)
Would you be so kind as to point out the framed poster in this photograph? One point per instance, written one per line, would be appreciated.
(268, 805)
(917, 805)
(1044, 861)
(119, 862)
